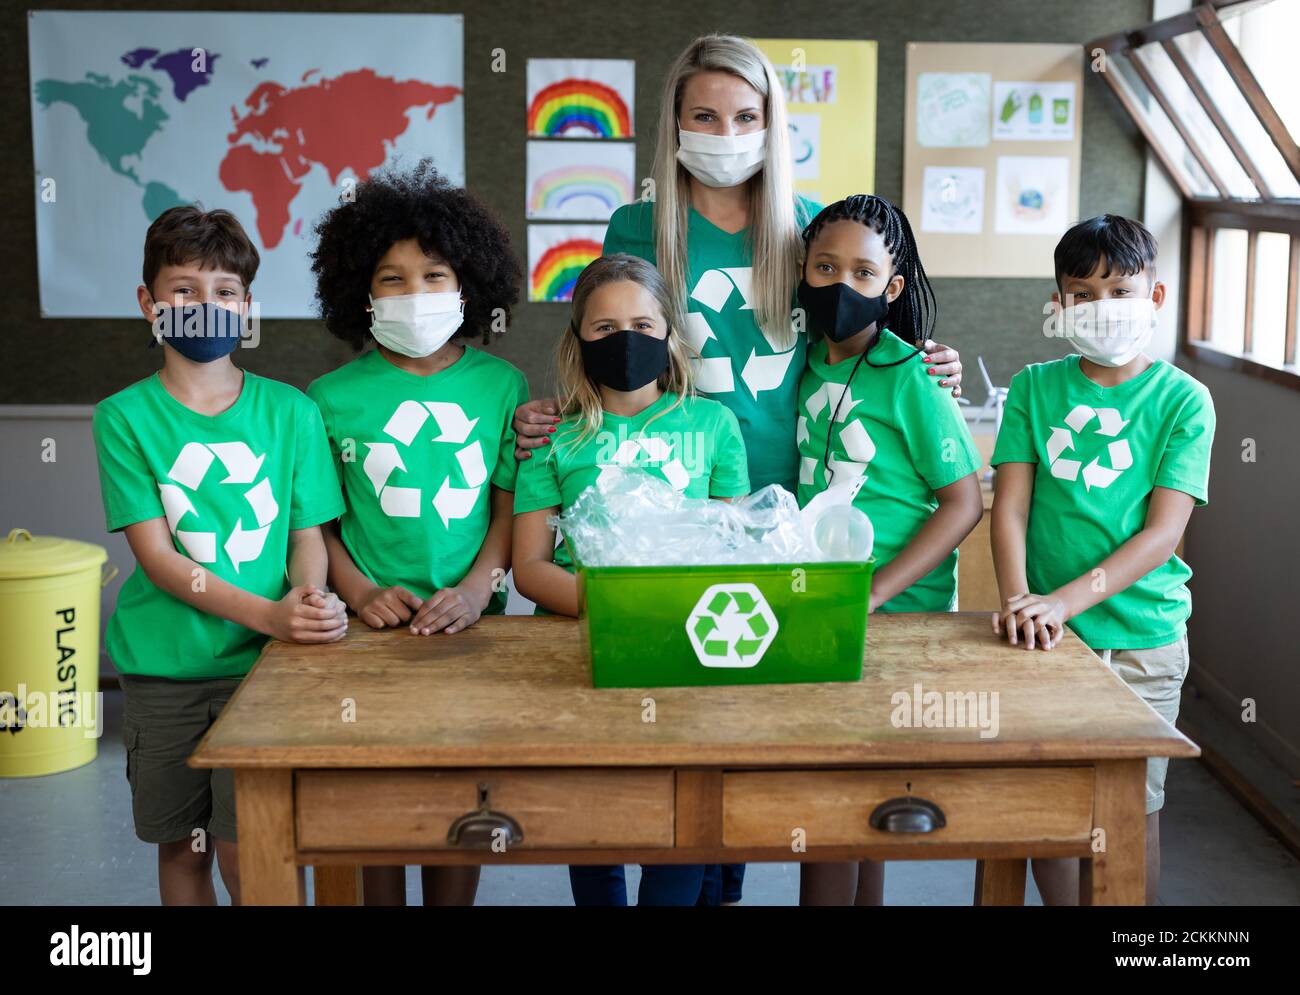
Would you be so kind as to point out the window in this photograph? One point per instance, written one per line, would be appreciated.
(1213, 91)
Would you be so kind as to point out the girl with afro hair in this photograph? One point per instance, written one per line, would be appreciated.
(407, 271)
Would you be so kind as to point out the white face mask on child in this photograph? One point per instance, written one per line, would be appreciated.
(416, 325)
(1109, 332)
(721, 160)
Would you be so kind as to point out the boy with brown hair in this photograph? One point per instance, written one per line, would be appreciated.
(219, 478)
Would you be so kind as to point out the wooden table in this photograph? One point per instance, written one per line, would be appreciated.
(367, 750)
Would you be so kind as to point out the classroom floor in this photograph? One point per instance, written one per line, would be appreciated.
(67, 839)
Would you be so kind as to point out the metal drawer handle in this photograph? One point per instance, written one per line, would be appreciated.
(479, 830)
(907, 815)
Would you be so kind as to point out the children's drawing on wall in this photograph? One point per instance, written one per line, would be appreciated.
(810, 85)
(580, 98)
(952, 110)
(1032, 194)
(805, 145)
(1033, 112)
(579, 181)
(953, 200)
(556, 255)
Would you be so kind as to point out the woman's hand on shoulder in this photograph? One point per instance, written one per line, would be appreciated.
(944, 362)
(534, 422)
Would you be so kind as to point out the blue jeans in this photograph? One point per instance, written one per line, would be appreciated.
(661, 884)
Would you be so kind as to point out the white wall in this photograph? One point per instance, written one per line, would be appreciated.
(60, 497)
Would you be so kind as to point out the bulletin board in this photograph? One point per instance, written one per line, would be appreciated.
(830, 92)
(991, 155)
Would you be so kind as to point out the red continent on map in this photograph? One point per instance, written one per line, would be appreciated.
(340, 123)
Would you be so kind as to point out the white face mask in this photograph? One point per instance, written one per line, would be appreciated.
(1109, 332)
(416, 325)
(721, 160)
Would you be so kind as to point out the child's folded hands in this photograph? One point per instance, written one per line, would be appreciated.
(449, 609)
(308, 615)
(385, 607)
(1031, 620)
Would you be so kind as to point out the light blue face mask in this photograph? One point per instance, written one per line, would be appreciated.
(199, 332)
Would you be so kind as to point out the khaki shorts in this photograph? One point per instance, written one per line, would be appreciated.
(163, 723)
(1156, 675)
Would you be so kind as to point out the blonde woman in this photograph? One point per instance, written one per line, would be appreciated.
(625, 384)
(724, 230)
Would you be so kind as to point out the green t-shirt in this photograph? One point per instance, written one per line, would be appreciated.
(415, 456)
(231, 487)
(739, 366)
(1100, 451)
(906, 438)
(696, 447)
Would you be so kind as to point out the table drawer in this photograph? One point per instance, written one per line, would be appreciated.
(832, 807)
(413, 809)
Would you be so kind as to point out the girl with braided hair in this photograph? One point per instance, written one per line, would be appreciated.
(871, 425)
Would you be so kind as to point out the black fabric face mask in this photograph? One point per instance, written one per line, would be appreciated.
(624, 360)
(838, 312)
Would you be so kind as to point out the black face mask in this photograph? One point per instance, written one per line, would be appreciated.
(624, 360)
(838, 312)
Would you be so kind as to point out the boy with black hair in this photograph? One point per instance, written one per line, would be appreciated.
(219, 478)
(1101, 457)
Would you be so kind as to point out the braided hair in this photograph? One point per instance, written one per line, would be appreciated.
(913, 312)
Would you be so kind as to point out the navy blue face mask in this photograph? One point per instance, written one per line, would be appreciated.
(199, 332)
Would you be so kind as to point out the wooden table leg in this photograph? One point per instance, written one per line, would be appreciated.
(268, 872)
(337, 884)
(1000, 882)
(1117, 873)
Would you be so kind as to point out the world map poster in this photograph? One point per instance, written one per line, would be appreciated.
(272, 116)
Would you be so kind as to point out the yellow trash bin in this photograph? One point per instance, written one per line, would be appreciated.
(49, 652)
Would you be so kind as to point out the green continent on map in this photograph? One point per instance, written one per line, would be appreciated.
(114, 131)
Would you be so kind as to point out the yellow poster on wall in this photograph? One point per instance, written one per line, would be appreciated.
(830, 92)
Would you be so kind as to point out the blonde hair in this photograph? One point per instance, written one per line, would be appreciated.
(774, 238)
(579, 393)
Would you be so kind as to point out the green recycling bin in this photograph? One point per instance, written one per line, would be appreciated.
(731, 624)
(49, 652)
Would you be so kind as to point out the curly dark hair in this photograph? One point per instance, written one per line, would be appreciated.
(421, 203)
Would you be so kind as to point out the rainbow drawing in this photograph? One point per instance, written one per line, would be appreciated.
(556, 255)
(579, 105)
(579, 181)
(579, 192)
(574, 98)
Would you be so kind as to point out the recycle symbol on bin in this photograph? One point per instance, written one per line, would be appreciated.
(242, 468)
(731, 625)
(1109, 424)
(451, 501)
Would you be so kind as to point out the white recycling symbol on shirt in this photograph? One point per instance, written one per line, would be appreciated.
(241, 466)
(858, 445)
(658, 452)
(1109, 424)
(451, 502)
(714, 374)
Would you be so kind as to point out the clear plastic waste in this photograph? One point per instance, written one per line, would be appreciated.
(634, 518)
(843, 532)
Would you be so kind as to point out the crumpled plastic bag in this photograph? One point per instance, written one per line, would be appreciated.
(633, 518)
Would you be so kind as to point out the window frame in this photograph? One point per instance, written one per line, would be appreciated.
(1205, 215)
